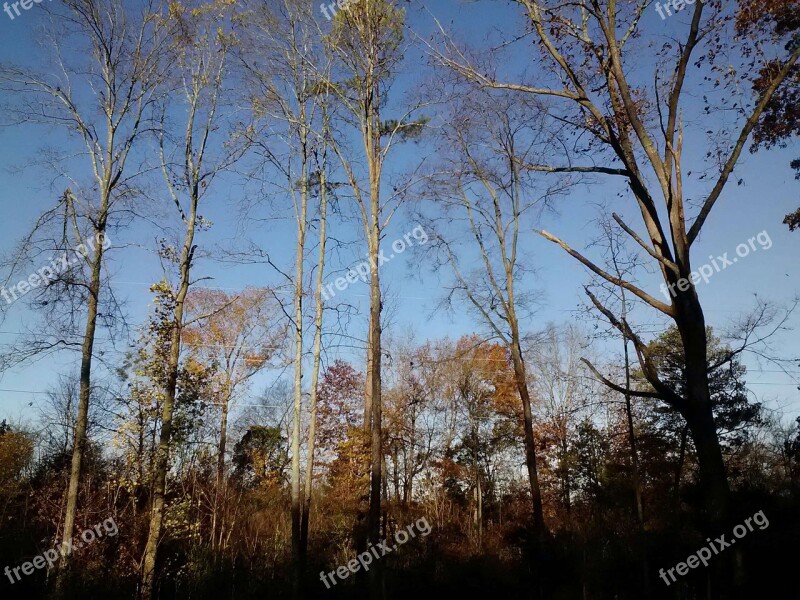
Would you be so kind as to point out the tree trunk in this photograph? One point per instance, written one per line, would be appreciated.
(82, 420)
(679, 466)
(713, 479)
(698, 411)
(374, 400)
(223, 438)
(530, 443)
(148, 581)
(396, 474)
(318, 315)
(216, 523)
(408, 488)
(298, 369)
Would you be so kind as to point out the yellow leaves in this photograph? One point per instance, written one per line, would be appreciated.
(160, 288)
(176, 10)
(235, 332)
(349, 472)
(16, 452)
(179, 520)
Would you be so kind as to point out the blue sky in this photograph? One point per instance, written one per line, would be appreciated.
(767, 193)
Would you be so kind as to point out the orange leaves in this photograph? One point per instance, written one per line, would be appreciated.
(236, 333)
(490, 364)
(16, 452)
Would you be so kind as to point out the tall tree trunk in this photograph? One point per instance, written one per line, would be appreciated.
(396, 473)
(698, 411)
(82, 420)
(509, 262)
(375, 403)
(301, 216)
(374, 399)
(566, 486)
(317, 354)
(479, 509)
(148, 581)
(530, 442)
(223, 438)
(408, 487)
(374, 154)
(165, 438)
(220, 483)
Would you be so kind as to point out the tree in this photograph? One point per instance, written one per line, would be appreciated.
(560, 385)
(16, 455)
(339, 397)
(366, 43)
(409, 434)
(239, 337)
(190, 162)
(319, 308)
(288, 73)
(261, 456)
(146, 373)
(484, 387)
(733, 412)
(637, 134)
(121, 69)
(481, 186)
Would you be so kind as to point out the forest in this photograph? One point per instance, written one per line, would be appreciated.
(386, 299)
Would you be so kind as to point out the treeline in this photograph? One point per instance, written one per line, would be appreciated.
(453, 454)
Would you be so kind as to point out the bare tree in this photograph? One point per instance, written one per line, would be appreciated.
(121, 69)
(482, 188)
(316, 352)
(366, 42)
(289, 92)
(190, 159)
(589, 50)
(559, 381)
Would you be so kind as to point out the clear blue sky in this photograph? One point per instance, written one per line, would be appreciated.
(768, 193)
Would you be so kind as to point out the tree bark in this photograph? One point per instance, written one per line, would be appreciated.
(317, 354)
(302, 215)
(374, 400)
(82, 419)
(698, 411)
(148, 582)
(530, 442)
(220, 483)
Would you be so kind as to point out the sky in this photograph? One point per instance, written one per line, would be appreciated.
(767, 192)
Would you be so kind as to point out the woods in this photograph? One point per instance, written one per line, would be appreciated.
(360, 300)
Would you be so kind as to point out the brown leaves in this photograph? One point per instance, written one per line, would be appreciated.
(759, 17)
